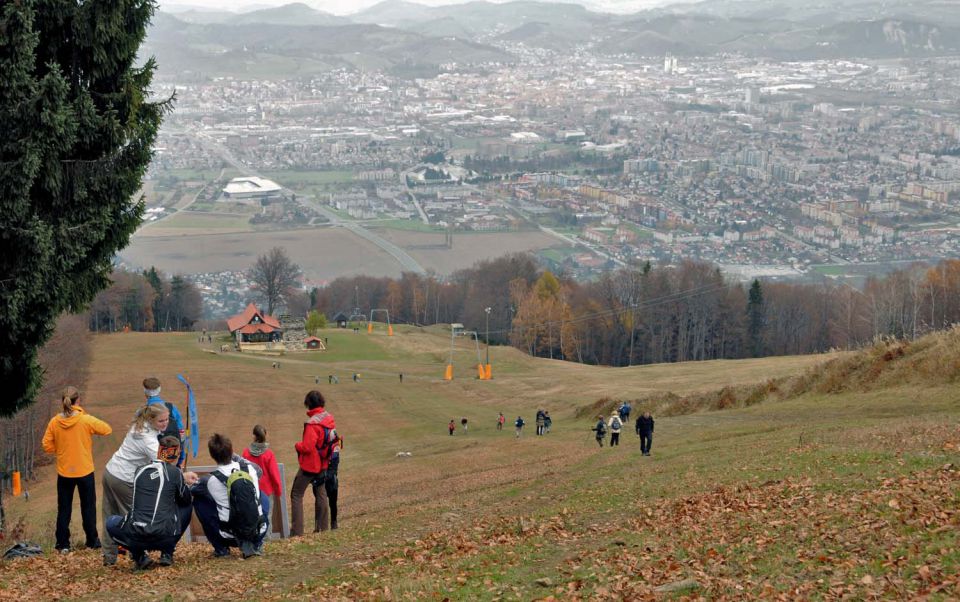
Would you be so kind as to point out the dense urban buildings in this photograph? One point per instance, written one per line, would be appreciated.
(766, 168)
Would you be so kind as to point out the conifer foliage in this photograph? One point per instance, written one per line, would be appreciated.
(77, 129)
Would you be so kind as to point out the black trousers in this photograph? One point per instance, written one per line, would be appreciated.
(646, 440)
(88, 509)
(614, 439)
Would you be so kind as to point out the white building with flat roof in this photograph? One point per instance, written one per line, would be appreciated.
(251, 188)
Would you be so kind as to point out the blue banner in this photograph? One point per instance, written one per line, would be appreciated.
(193, 424)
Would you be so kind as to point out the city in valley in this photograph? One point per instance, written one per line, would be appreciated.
(590, 156)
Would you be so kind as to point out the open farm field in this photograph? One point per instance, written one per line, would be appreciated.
(194, 242)
(323, 253)
(841, 483)
(300, 179)
(468, 247)
(189, 222)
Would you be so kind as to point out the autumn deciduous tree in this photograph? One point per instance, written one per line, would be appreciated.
(77, 130)
(274, 276)
(542, 325)
(146, 302)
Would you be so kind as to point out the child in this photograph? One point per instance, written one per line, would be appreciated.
(500, 420)
(332, 483)
(519, 425)
(451, 427)
(259, 453)
(463, 423)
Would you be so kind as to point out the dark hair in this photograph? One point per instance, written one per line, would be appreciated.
(221, 449)
(314, 400)
(259, 433)
(151, 382)
(169, 441)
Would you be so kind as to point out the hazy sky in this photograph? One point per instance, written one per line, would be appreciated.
(343, 7)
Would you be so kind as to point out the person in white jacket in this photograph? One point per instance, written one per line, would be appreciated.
(139, 448)
(615, 424)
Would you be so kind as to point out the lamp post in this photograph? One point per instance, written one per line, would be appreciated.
(487, 311)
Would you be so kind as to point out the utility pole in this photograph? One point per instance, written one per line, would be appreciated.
(487, 311)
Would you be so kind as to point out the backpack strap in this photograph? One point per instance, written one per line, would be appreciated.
(219, 476)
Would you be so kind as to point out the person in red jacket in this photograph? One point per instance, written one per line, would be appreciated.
(259, 453)
(313, 454)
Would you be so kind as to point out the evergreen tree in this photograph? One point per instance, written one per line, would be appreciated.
(77, 134)
(156, 282)
(755, 319)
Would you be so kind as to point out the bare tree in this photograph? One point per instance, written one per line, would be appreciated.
(274, 276)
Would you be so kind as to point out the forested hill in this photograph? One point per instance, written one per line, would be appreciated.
(646, 315)
(660, 314)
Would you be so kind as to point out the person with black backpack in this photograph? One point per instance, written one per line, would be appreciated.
(161, 509)
(140, 446)
(228, 503)
(314, 452)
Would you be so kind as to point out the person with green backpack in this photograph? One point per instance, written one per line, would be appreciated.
(228, 503)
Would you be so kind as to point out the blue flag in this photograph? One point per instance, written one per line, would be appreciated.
(193, 424)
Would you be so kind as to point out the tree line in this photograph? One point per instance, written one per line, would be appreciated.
(146, 301)
(669, 313)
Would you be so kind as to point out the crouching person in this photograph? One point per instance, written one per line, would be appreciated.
(161, 508)
(229, 505)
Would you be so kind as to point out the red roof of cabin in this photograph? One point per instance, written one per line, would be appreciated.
(308, 339)
(253, 328)
(242, 319)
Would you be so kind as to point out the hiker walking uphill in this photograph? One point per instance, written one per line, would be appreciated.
(624, 412)
(541, 421)
(140, 446)
(645, 432)
(519, 426)
(500, 420)
(600, 430)
(615, 425)
(161, 509)
(314, 452)
(151, 390)
(69, 435)
(259, 453)
(229, 505)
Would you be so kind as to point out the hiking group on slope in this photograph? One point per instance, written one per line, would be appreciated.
(148, 498)
(617, 422)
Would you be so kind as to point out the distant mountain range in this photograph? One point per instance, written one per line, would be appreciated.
(296, 39)
(266, 44)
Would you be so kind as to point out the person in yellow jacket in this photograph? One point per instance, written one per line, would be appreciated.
(70, 436)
